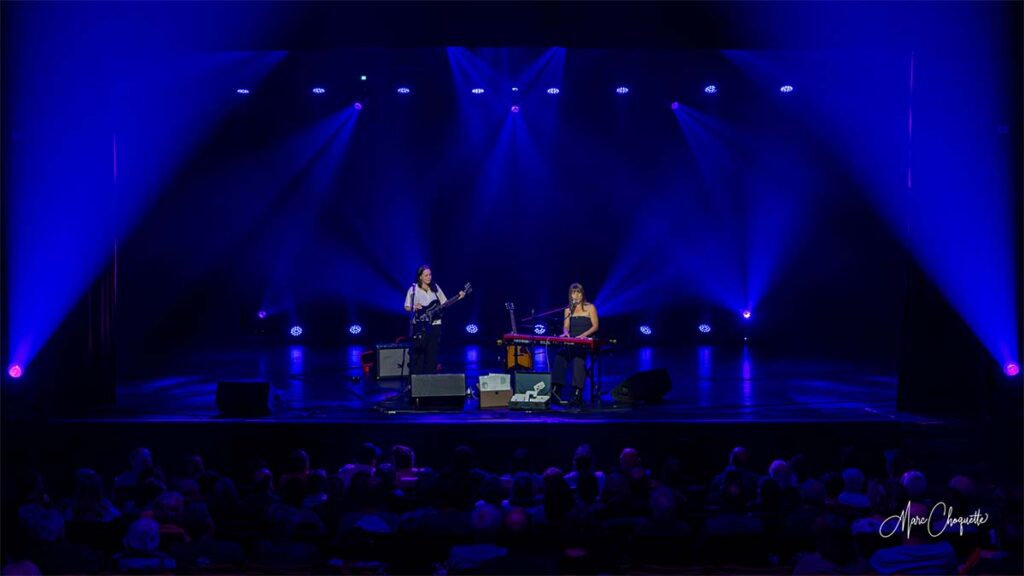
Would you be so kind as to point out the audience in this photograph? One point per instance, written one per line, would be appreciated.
(387, 515)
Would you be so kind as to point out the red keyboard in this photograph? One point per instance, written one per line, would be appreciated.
(592, 343)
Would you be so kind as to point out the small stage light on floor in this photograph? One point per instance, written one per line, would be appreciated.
(646, 330)
(477, 90)
(746, 314)
(14, 371)
(786, 89)
(1011, 369)
(296, 331)
(515, 109)
(472, 328)
(318, 90)
(358, 105)
(622, 90)
(262, 314)
(704, 328)
(355, 329)
(539, 329)
(710, 89)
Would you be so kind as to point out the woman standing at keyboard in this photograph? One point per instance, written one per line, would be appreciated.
(580, 322)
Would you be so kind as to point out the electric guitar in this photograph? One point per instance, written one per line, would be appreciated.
(435, 309)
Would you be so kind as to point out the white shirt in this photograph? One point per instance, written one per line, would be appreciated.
(417, 295)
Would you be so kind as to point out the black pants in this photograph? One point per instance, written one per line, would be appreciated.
(560, 362)
(426, 342)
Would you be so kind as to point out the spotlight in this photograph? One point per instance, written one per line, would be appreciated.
(296, 331)
(675, 105)
(261, 314)
(515, 89)
(553, 91)
(404, 90)
(318, 90)
(622, 90)
(646, 330)
(786, 89)
(242, 90)
(746, 314)
(472, 328)
(1011, 369)
(710, 89)
(539, 329)
(358, 105)
(363, 78)
(704, 328)
(477, 90)
(515, 108)
(355, 329)
(14, 371)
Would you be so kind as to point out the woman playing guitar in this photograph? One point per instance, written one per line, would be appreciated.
(424, 294)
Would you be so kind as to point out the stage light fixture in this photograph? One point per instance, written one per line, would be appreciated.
(786, 89)
(262, 314)
(553, 91)
(675, 106)
(539, 329)
(711, 89)
(746, 314)
(242, 90)
(472, 328)
(646, 330)
(704, 328)
(363, 78)
(358, 105)
(318, 90)
(515, 108)
(355, 329)
(1011, 369)
(477, 90)
(622, 90)
(15, 371)
(296, 331)
(515, 89)
(404, 90)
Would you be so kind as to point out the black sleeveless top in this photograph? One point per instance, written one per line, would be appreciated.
(578, 325)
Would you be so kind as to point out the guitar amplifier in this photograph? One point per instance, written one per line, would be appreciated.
(439, 390)
(393, 361)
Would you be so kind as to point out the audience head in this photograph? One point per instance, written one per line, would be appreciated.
(812, 492)
(583, 459)
(45, 525)
(140, 459)
(629, 458)
(739, 457)
(298, 462)
(781, 473)
(853, 481)
(915, 483)
(403, 457)
(664, 504)
(368, 454)
(143, 536)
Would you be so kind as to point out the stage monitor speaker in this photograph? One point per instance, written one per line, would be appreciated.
(243, 398)
(647, 386)
(524, 382)
(392, 361)
(439, 390)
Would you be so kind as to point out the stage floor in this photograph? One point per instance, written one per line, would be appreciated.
(709, 384)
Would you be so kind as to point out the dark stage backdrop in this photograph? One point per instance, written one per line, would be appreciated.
(670, 214)
(674, 207)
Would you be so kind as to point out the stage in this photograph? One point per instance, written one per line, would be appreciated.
(709, 385)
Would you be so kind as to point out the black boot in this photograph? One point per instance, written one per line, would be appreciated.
(577, 398)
